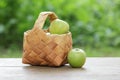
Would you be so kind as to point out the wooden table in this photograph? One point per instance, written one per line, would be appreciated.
(94, 69)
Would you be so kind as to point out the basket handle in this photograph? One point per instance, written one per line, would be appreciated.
(39, 23)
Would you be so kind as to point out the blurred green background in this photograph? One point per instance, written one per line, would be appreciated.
(95, 24)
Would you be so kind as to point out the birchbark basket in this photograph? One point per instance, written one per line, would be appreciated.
(42, 48)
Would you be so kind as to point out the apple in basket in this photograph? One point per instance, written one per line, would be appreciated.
(58, 26)
(76, 57)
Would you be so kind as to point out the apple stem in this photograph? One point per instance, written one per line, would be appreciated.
(77, 49)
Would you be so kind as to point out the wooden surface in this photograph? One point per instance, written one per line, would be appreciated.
(94, 69)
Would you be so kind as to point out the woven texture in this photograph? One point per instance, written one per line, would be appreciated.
(42, 48)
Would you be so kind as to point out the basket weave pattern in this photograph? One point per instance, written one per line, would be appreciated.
(41, 48)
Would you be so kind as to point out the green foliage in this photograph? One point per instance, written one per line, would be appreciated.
(92, 22)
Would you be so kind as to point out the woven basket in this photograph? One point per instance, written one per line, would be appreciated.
(42, 48)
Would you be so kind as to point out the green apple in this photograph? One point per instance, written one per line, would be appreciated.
(58, 26)
(76, 57)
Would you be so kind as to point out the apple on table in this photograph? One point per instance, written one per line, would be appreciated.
(76, 58)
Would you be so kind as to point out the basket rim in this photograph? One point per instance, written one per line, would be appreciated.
(68, 33)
